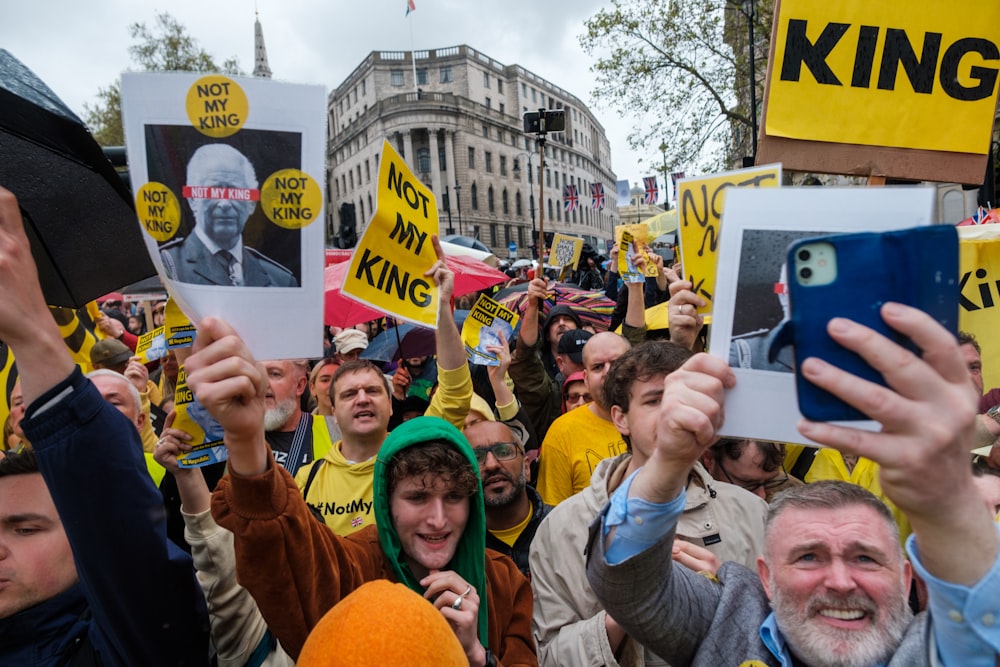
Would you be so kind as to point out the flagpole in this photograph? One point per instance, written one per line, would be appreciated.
(413, 55)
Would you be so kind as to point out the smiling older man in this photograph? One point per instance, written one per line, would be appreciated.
(832, 570)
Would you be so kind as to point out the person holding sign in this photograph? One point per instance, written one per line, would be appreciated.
(222, 193)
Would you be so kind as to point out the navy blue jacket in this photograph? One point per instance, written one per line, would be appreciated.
(145, 604)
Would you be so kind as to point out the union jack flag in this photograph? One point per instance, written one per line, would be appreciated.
(410, 7)
(652, 190)
(674, 177)
(571, 200)
(356, 521)
(597, 196)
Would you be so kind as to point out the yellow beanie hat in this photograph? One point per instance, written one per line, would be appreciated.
(382, 623)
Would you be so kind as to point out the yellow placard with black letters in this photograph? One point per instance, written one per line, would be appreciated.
(919, 74)
(387, 268)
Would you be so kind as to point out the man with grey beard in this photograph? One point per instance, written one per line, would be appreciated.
(831, 587)
(514, 510)
(295, 437)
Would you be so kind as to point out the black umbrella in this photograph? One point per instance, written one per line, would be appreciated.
(79, 216)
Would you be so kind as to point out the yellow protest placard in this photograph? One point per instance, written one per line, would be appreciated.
(178, 330)
(482, 328)
(387, 268)
(700, 202)
(565, 250)
(151, 345)
(900, 73)
(640, 234)
(979, 299)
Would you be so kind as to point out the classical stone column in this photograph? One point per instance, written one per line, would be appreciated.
(435, 165)
(410, 158)
(452, 159)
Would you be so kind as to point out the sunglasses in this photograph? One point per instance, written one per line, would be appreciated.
(503, 451)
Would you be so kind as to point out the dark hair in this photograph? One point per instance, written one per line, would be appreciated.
(827, 495)
(965, 338)
(356, 366)
(19, 463)
(438, 459)
(732, 448)
(982, 468)
(639, 364)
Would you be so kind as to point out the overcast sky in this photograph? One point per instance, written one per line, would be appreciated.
(78, 46)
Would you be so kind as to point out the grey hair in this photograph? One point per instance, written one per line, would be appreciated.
(209, 154)
(133, 392)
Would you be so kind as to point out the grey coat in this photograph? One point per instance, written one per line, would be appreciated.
(691, 620)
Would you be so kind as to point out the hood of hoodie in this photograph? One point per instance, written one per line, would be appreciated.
(469, 560)
(556, 311)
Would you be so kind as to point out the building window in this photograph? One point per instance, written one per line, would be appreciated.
(364, 86)
(486, 79)
(424, 160)
(531, 205)
(368, 172)
(503, 109)
(520, 237)
(534, 98)
(500, 134)
(493, 235)
(442, 158)
(503, 165)
(472, 157)
(500, 85)
(422, 76)
(369, 204)
(474, 196)
(486, 130)
(550, 209)
(524, 90)
(488, 157)
(548, 178)
(489, 199)
(488, 103)
(517, 204)
(396, 77)
(444, 74)
(503, 203)
(361, 202)
(351, 175)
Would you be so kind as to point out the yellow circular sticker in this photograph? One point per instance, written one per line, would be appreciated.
(158, 210)
(291, 199)
(217, 106)
(753, 663)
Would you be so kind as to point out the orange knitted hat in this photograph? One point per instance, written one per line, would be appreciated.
(382, 623)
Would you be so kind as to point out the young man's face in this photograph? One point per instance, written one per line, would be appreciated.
(429, 516)
(640, 422)
(361, 404)
(36, 562)
(838, 584)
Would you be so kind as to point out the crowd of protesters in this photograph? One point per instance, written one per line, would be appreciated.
(572, 505)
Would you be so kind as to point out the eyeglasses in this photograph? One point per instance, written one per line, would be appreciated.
(769, 485)
(503, 451)
(576, 396)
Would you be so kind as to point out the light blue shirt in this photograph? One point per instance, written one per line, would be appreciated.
(965, 620)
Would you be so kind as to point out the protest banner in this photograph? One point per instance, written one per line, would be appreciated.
(641, 234)
(151, 345)
(226, 173)
(178, 330)
(700, 215)
(902, 88)
(565, 251)
(388, 266)
(751, 300)
(627, 270)
(482, 328)
(206, 434)
(979, 301)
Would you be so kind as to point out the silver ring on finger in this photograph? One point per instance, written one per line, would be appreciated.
(457, 604)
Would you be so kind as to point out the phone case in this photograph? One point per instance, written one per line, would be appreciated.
(917, 267)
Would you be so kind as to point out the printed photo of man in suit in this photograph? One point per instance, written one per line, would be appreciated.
(222, 193)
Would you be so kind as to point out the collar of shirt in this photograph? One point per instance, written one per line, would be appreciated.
(213, 248)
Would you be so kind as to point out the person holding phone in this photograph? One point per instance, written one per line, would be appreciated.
(832, 585)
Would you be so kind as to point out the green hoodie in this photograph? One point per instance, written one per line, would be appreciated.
(469, 560)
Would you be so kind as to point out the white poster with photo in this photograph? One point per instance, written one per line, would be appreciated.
(751, 299)
(227, 175)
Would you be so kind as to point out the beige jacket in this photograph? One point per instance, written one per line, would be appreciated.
(237, 626)
(568, 621)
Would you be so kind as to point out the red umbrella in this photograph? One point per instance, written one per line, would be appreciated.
(471, 275)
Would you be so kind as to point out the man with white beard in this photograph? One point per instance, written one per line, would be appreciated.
(295, 437)
(831, 588)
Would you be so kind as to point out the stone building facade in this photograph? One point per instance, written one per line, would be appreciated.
(455, 115)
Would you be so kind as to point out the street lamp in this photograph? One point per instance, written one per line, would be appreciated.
(458, 201)
(666, 178)
(447, 202)
(531, 199)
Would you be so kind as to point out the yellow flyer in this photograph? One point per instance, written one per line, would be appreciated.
(152, 345)
(206, 434)
(387, 268)
(483, 328)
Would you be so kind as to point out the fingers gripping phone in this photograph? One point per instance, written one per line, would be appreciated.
(852, 276)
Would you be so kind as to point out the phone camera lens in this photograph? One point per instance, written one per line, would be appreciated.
(804, 255)
(806, 273)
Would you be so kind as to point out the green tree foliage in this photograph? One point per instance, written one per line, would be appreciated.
(677, 68)
(165, 47)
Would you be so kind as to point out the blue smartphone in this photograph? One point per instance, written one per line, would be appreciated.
(852, 275)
